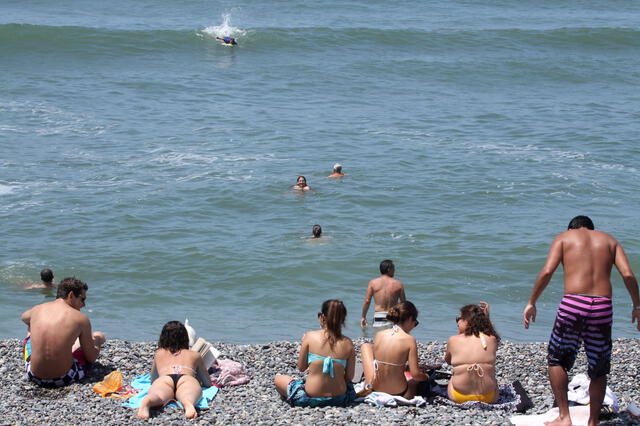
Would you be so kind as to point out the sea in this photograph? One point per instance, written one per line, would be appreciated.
(142, 156)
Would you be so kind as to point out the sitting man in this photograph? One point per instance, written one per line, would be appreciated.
(60, 344)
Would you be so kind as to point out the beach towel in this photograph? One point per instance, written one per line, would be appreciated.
(143, 383)
(382, 399)
(579, 417)
(512, 397)
(578, 391)
(225, 372)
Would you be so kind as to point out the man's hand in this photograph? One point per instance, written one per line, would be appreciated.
(529, 314)
(363, 322)
(635, 317)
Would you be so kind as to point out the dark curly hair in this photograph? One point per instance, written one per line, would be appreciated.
(477, 321)
(71, 284)
(174, 337)
(402, 311)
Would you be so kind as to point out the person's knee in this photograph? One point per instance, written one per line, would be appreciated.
(99, 338)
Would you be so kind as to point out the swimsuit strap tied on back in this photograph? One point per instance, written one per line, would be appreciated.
(477, 368)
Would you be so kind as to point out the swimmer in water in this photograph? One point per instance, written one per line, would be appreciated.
(46, 276)
(228, 40)
(316, 231)
(337, 171)
(301, 185)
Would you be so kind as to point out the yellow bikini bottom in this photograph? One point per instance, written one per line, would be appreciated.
(460, 397)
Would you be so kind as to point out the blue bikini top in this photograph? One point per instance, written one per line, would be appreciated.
(327, 366)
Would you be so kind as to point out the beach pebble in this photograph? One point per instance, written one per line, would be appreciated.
(258, 402)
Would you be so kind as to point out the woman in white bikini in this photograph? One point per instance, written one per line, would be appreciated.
(177, 373)
(472, 354)
(393, 351)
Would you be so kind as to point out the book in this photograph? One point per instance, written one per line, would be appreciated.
(207, 352)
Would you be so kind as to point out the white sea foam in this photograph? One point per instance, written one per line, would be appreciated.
(225, 29)
(5, 189)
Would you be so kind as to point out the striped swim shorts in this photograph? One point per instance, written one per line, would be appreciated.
(582, 319)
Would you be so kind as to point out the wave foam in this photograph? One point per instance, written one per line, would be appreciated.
(225, 29)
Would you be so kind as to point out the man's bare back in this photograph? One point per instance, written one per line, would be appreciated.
(57, 328)
(54, 328)
(385, 290)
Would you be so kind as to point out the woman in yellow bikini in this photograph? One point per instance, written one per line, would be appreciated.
(177, 372)
(472, 354)
(393, 352)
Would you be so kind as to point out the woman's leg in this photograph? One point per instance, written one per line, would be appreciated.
(188, 392)
(366, 353)
(282, 383)
(160, 393)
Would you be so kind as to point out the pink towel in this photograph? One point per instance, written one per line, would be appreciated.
(229, 373)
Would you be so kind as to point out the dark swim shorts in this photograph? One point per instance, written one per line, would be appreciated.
(297, 396)
(75, 373)
(582, 319)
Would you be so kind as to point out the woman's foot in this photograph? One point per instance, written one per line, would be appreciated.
(143, 410)
(190, 411)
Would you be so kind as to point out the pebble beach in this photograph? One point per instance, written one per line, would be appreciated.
(23, 403)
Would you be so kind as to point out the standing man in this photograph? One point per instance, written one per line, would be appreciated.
(60, 345)
(585, 312)
(386, 292)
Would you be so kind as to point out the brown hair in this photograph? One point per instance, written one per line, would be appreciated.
(402, 311)
(334, 313)
(477, 321)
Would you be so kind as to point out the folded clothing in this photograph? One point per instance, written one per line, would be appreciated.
(143, 383)
(383, 399)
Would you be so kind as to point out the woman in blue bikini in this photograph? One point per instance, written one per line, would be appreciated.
(177, 373)
(329, 358)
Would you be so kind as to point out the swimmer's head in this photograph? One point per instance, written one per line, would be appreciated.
(581, 222)
(387, 267)
(316, 231)
(302, 181)
(337, 168)
(46, 275)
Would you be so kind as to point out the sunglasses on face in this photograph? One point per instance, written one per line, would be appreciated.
(458, 318)
(417, 323)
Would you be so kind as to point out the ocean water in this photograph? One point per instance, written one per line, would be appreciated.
(148, 160)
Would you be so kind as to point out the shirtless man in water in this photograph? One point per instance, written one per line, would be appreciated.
(60, 344)
(386, 292)
(585, 312)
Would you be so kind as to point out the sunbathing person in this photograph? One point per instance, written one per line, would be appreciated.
(176, 373)
(472, 354)
(329, 358)
(393, 351)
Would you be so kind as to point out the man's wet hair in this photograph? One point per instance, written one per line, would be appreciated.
(581, 222)
(174, 337)
(337, 168)
(46, 275)
(71, 284)
(387, 267)
(316, 231)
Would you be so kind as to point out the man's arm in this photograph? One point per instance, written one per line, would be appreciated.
(366, 304)
(26, 317)
(86, 340)
(542, 280)
(403, 298)
(629, 281)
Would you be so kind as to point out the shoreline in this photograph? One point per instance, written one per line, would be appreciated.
(258, 401)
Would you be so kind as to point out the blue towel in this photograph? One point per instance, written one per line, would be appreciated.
(143, 383)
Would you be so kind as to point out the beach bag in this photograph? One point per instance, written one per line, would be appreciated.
(226, 372)
(578, 392)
